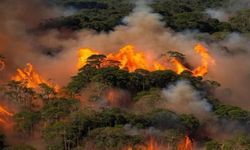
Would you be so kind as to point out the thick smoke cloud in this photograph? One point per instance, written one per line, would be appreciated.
(183, 99)
(232, 70)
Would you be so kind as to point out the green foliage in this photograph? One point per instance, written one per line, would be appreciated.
(241, 21)
(92, 15)
(110, 117)
(164, 119)
(55, 136)
(20, 93)
(47, 92)
(241, 142)
(58, 109)
(213, 145)
(112, 138)
(113, 76)
(26, 121)
(231, 112)
(191, 123)
(104, 15)
(20, 147)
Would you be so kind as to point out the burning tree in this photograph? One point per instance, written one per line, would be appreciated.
(129, 58)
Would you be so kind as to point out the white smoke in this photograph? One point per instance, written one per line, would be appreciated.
(219, 14)
(182, 98)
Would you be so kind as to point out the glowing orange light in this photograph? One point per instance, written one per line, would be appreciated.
(205, 59)
(186, 144)
(129, 58)
(152, 145)
(5, 115)
(29, 76)
(83, 54)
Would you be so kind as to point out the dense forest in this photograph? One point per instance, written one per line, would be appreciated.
(108, 107)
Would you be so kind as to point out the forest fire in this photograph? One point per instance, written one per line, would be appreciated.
(131, 60)
(29, 76)
(205, 59)
(4, 115)
(84, 53)
(152, 145)
(186, 144)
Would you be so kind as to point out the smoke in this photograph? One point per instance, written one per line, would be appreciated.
(228, 10)
(232, 70)
(219, 14)
(143, 29)
(182, 98)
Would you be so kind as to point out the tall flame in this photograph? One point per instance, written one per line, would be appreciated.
(29, 76)
(186, 144)
(152, 144)
(205, 59)
(131, 60)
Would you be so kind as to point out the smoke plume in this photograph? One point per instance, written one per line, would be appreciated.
(182, 98)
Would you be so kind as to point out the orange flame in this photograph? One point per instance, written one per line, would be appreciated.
(29, 76)
(130, 148)
(205, 59)
(4, 115)
(179, 68)
(186, 144)
(131, 60)
(152, 145)
(83, 54)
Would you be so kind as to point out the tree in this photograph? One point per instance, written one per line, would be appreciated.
(46, 92)
(191, 123)
(20, 147)
(241, 21)
(96, 61)
(165, 119)
(113, 138)
(20, 93)
(55, 136)
(25, 121)
(58, 109)
(239, 142)
(212, 145)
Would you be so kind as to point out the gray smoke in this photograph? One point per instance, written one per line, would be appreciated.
(182, 98)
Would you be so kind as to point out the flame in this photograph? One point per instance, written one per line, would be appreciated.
(83, 54)
(131, 60)
(186, 144)
(179, 68)
(29, 76)
(205, 59)
(152, 145)
(4, 115)
(130, 148)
